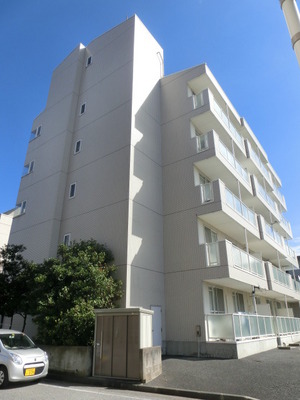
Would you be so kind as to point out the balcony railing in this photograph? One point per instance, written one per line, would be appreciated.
(234, 202)
(233, 162)
(279, 194)
(259, 163)
(286, 224)
(247, 262)
(281, 277)
(228, 123)
(238, 327)
(267, 198)
(241, 259)
(275, 235)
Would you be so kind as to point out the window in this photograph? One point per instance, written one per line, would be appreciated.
(28, 168)
(72, 190)
(210, 236)
(212, 248)
(88, 61)
(22, 207)
(67, 239)
(216, 300)
(238, 302)
(36, 132)
(77, 147)
(207, 194)
(82, 108)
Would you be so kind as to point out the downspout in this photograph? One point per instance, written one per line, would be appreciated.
(292, 18)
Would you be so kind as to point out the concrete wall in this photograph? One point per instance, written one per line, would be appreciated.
(75, 360)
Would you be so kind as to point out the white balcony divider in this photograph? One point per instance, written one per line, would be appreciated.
(239, 327)
(234, 202)
(233, 161)
(247, 262)
(228, 123)
(281, 277)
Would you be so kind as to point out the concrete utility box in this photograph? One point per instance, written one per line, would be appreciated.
(123, 344)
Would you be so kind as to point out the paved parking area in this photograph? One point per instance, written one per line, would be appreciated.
(272, 375)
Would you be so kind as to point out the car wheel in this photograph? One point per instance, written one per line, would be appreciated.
(3, 377)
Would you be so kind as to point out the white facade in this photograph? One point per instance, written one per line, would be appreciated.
(6, 219)
(167, 174)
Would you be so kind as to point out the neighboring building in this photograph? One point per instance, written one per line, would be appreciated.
(166, 173)
(6, 219)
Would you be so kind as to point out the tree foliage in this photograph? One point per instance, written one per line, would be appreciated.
(15, 282)
(62, 292)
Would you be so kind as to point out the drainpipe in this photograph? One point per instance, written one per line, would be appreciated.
(292, 18)
(253, 298)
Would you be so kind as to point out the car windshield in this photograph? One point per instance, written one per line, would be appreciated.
(16, 341)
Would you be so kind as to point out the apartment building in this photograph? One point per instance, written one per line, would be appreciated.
(165, 172)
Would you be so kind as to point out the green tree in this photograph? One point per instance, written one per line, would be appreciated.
(68, 288)
(15, 283)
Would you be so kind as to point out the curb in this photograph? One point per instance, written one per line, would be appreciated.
(137, 387)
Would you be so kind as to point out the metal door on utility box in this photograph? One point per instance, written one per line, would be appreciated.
(117, 346)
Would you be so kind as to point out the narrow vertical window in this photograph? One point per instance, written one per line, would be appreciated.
(77, 147)
(88, 61)
(28, 168)
(82, 108)
(67, 239)
(21, 207)
(36, 132)
(72, 190)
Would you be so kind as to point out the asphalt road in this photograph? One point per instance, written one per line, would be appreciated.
(51, 390)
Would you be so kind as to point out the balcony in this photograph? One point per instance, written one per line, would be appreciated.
(241, 327)
(230, 266)
(279, 196)
(256, 165)
(262, 202)
(281, 284)
(216, 161)
(274, 246)
(284, 227)
(210, 116)
(223, 209)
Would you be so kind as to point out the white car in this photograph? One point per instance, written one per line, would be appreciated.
(20, 358)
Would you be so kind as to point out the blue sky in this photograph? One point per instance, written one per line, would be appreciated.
(245, 44)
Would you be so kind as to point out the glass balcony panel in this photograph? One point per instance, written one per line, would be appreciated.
(261, 325)
(233, 161)
(237, 327)
(269, 326)
(220, 326)
(245, 261)
(245, 325)
(235, 203)
(253, 325)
